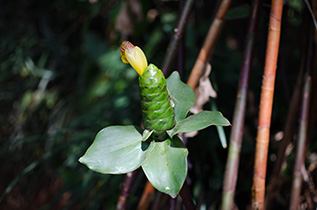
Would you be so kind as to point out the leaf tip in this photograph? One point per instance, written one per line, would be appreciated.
(81, 160)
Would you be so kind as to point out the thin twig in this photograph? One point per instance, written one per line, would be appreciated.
(266, 102)
(232, 165)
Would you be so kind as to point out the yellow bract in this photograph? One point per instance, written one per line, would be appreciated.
(134, 56)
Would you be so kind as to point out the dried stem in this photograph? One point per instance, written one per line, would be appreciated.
(210, 40)
(232, 165)
(177, 37)
(266, 101)
(126, 190)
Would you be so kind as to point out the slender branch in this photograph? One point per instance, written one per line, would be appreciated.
(302, 133)
(266, 102)
(177, 37)
(210, 40)
(232, 165)
(126, 190)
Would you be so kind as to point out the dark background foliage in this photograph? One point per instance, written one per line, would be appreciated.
(62, 80)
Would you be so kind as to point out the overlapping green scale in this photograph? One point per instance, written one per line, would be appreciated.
(157, 111)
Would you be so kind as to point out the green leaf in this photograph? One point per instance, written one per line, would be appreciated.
(146, 134)
(166, 166)
(182, 95)
(198, 122)
(116, 150)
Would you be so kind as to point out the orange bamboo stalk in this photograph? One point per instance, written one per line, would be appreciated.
(275, 179)
(208, 44)
(146, 196)
(266, 101)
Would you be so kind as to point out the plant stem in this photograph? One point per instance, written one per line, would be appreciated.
(126, 190)
(187, 197)
(266, 102)
(177, 37)
(210, 40)
(302, 134)
(300, 147)
(232, 165)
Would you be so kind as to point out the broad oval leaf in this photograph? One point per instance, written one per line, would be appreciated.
(116, 150)
(166, 166)
(198, 122)
(182, 95)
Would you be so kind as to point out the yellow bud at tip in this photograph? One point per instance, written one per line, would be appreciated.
(134, 56)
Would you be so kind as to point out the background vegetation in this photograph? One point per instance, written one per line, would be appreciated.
(62, 80)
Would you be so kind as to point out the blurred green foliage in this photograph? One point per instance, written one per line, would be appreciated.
(62, 80)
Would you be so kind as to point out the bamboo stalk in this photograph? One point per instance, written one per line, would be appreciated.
(288, 135)
(232, 164)
(302, 133)
(300, 147)
(288, 131)
(126, 190)
(210, 40)
(146, 196)
(266, 102)
(187, 197)
(177, 37)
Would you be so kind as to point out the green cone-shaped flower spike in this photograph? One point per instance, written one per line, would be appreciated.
(157, 110)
